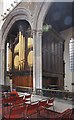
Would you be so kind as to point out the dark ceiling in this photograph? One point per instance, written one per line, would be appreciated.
(60, 15)
(20, 24)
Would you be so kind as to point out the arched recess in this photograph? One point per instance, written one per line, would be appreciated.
(42, 14)
(17, 14)
(14, 16)
(39, 19)
(39, 28)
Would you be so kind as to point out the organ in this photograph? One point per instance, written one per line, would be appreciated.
(19, 54)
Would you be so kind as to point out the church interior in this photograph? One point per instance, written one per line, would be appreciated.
(37, 59)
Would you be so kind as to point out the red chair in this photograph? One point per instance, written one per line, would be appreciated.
(15, 112)
(7, 103)
(31, 109)
(50, 103)
(41, 108)
(72, 115)
(18, 100)
(10, 102)
(28, 98)
(7, 100)
(42, 105)
(66, 115)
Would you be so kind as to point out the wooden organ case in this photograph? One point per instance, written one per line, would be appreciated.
(52, 59)
(19, 55)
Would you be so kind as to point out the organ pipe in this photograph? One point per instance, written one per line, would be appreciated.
(21, 62)
(19, 49)
(23, 51)
(7, 56)
(9, 59)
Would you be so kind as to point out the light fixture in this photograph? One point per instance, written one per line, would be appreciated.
(46, 28)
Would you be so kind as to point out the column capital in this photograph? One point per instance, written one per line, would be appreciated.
(39, 31)
(33, 31)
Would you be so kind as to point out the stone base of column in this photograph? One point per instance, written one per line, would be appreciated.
(34, 92)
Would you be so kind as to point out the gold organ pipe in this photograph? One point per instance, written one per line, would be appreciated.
(19, 50)
(9, 58)
(23, 51)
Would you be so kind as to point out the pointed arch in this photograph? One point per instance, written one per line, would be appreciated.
(17, 14)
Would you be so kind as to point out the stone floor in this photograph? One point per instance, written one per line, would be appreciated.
(60, 106)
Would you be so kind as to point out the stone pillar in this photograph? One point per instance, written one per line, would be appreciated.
(38, 59)
(34, 60)
(11, 85)
(2, 66)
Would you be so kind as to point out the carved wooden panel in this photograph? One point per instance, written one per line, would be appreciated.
(52, 57)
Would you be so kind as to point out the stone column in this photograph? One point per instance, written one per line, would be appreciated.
(34, 60)
(38, 59)
(2, 66)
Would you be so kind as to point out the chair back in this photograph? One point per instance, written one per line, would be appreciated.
(65, 115)
(8, 103)
(8, 100)
(31, 109)
(72, 115)
(12, 100)
(32, 106)
(15, 112)
(43, 103)
(18, 100)
(50, 101)
(28, 97)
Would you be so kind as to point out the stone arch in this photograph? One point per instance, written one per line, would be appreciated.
(17, 14)
(37, 26)
(42, 14)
